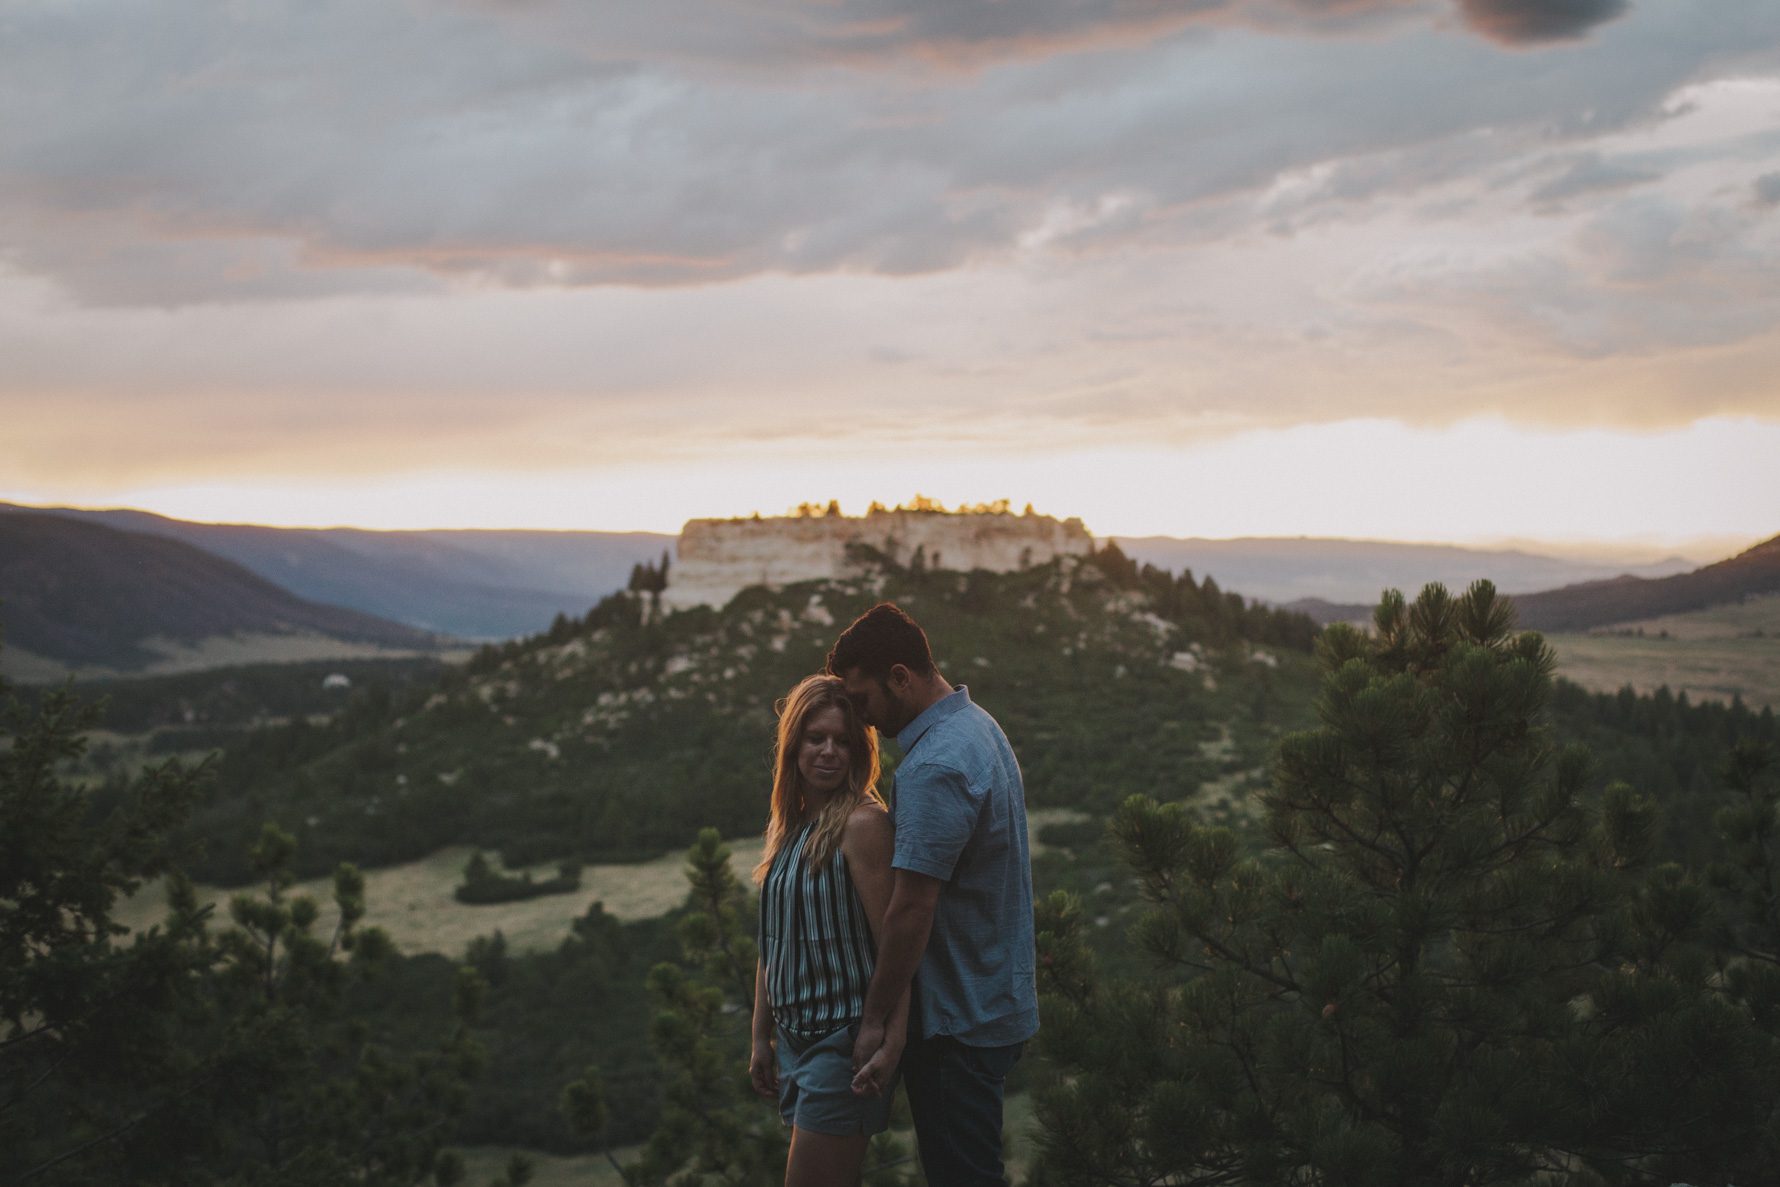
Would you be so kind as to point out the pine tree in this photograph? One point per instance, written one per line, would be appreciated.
(1748, 882)
(87, 1062)
(303, 1094)
(1447, 968)
(713, 1129)
(187, 1055)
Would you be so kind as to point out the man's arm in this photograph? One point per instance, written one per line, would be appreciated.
(907, 920)
(869, 843)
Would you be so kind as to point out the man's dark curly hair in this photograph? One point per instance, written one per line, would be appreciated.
(878, 639)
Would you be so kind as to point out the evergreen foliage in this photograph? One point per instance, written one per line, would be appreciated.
(189, 1055)
(713, 1128)
(482, 885)
(311, 1096)
(1449, 967)
(1675, 978)
(87, 1058)
(633, 729)
(650, 577)
(1673, 751)
(548, 1017)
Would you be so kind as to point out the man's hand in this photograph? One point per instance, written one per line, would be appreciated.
(867, 1042)
(763, 1069)
(875, 1073)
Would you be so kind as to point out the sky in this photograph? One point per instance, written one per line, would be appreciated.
(1461, 270)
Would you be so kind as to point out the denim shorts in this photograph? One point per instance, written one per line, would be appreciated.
(816, 1086)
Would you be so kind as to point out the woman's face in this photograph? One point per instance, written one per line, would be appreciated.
(823, 753)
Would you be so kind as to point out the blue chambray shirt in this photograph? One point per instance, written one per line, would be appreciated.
(961, 817)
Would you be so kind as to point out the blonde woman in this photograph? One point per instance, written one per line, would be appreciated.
(824, 885)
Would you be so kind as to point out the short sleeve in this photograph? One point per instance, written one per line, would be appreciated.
(936, 812)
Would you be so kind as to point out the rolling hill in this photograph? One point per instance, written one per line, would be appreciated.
(1751, 573)
(1286, 570)
(484, 584)
(85, 596)
(621, 734)
(1625, 598)
(470, 584)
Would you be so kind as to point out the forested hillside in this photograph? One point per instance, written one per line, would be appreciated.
(624, 732)
(620, 734)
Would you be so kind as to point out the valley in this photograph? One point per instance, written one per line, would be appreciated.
(611, 738)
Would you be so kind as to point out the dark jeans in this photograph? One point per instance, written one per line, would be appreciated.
(955, 1093)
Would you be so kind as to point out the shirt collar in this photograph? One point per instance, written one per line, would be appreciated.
(931, 716)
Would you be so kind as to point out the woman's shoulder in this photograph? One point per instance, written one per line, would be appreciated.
(868, 830)
(869, 815)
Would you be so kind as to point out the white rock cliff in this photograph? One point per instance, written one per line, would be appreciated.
(717, 558)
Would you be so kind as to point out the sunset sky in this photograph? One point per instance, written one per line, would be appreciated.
(1466, 270)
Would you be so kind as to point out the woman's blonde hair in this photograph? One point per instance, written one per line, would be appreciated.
(788, 809)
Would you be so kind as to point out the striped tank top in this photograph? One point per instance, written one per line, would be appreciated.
(814, 942)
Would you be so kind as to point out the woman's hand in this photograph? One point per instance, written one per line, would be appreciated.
(871, 1076)
(763, 1069)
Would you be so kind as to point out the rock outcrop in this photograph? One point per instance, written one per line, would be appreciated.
(717, 558)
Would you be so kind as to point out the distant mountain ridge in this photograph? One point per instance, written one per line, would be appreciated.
(1586, 605)
(472, 584)
(1752, 572)
(84, 594)
(496, 584)
(1290, 571)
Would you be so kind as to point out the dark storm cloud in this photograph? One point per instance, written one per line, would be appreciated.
(970, 34)
(1534, 22)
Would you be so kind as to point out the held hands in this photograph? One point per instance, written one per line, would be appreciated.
(763, 1069)
(875, 1056)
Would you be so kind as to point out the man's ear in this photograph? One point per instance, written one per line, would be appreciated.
(898, 678)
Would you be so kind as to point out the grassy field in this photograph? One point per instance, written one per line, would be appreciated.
(1710, 654)
(1038, 818)
(218, 651)
(414, 903)
(1751, 618)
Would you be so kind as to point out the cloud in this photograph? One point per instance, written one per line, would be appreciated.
(160, 156)
(1277, 210)
(1639, 279)
(1535, 22)
(1590, 174)
(1767, 190)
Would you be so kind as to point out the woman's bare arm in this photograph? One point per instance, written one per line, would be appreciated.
(763, 1064)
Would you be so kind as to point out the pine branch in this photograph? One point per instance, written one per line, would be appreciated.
(210, 1067)
(126, 986)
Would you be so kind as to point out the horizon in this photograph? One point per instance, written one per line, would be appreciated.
(1701, 550)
